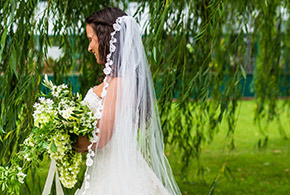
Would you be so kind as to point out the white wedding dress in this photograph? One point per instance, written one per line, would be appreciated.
(144, 181)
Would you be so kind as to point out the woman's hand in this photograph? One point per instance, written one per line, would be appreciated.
(82, 144)
(83, 141)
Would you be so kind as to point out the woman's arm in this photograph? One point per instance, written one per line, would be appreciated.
(106, 123)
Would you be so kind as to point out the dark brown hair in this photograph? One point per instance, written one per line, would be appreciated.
(102, 22)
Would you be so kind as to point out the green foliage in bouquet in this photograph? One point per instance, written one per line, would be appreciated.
(59, 118)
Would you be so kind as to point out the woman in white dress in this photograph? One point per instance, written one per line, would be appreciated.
(126, 157)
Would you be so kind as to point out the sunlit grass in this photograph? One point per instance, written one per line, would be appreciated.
(249, 170)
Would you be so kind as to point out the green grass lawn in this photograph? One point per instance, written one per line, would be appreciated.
(248, 169)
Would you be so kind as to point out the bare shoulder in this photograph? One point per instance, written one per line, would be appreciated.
(99, 88)
(114, 81)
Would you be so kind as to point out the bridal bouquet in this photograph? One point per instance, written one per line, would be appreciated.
(59, 118)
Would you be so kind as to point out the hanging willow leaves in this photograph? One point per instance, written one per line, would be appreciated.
(199, 52)
(268, 67)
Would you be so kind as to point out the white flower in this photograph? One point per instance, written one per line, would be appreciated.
(65, 108)
(67, 113)
(21, 177)
(56, 90)
(78, 95)
(46, 102)
(47, 82)
(62, 141)
(56, 111)
(69, 167)
(43, 112)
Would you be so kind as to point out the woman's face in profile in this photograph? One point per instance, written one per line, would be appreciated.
(94, 43)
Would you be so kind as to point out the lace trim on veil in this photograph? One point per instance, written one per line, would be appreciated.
(107, 70)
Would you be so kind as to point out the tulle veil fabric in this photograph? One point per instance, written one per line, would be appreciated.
(133, 150)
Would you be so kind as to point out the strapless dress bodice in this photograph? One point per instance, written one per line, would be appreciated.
(93, 100)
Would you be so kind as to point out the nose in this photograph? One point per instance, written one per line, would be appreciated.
(89, 49)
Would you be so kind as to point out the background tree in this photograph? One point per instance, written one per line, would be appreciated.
(199, 52)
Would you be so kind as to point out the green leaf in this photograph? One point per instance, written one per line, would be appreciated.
(1, 129)
(53, 147)
(154, 54)
(44, 145)
(243, 72)
(7, 135)
(3, 39)
(12, 62)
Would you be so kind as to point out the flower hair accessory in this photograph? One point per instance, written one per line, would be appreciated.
(107, 71)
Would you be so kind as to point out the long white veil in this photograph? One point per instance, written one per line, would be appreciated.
(131, 148)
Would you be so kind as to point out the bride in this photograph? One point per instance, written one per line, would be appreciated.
(127, 155)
